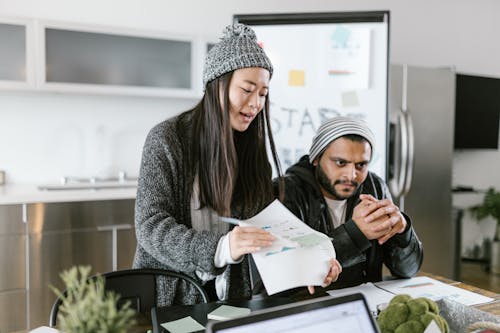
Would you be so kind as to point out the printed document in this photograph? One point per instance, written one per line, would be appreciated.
(423, 286)
(299, 256)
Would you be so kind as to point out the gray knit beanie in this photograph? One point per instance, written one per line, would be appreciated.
(237, 49)
(335, 128)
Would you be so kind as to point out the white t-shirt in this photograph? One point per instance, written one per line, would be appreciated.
(337, 209)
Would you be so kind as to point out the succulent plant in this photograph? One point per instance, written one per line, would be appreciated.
(87, 307)
(410, 315)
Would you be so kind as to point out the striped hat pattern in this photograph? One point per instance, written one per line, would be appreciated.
(335, 128)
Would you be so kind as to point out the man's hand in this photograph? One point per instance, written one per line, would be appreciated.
(378, 219)
(333, 275)
(397, 228)
(245, 240)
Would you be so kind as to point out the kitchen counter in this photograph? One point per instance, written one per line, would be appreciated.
(12, 194)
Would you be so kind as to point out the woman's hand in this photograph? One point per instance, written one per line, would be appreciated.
(245, 240)
(333, 275)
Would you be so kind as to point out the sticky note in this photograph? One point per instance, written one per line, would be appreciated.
(296, 78)
(224, 312)
(184, 325)
(350, 98)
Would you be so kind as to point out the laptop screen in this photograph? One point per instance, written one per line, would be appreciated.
(342, 314)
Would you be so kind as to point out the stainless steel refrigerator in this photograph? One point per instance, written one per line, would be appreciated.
(421, 121)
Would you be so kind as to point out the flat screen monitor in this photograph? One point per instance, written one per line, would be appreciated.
(477, 112)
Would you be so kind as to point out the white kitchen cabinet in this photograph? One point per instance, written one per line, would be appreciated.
(53, 56)
(16, 54)
(89, 59)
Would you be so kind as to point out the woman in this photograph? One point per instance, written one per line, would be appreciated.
(208, 162)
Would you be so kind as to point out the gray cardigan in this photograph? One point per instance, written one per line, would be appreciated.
(165, 238)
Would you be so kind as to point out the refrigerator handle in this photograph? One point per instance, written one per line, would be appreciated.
(410, 154)
(398, 182)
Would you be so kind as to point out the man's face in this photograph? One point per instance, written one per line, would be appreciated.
(342, 167)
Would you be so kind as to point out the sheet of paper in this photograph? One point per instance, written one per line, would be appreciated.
(300, 256)
(423, 286)
(348, 57)
(373, 295)
(432, 328)
(183, 325)
(44, 329)
(224, 312)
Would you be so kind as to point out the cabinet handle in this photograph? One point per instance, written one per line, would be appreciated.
(114, 227)
(114, 234)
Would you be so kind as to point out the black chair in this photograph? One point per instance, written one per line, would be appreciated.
(135, 285)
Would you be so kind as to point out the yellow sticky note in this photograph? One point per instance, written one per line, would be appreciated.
(296, 78)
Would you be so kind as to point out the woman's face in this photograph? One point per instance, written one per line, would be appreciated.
(247, 95)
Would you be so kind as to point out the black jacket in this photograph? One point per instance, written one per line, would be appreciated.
(361, 259)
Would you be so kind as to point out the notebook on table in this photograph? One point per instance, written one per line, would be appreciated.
(340, 315)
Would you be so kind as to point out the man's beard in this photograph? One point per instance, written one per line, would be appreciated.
(327, 185)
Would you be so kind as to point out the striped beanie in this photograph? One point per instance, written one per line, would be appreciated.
(335, 128)
(238, 48)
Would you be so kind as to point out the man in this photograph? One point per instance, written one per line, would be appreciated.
(333, 192)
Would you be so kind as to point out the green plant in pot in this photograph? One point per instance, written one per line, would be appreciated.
(491, 207)
(87, 307)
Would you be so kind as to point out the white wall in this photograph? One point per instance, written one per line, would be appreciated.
(45, 136)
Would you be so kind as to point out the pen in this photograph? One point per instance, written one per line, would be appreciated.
(230, 220)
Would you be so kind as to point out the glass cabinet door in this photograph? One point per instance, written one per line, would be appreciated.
(16, 53)
(95, 58)
(105, 60)
(12, 52)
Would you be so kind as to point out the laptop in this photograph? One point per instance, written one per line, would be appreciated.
(349, 313)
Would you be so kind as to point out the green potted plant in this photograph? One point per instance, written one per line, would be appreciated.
(87, 307)
(491, 207)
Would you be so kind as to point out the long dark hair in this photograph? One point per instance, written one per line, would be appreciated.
(233, 167)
